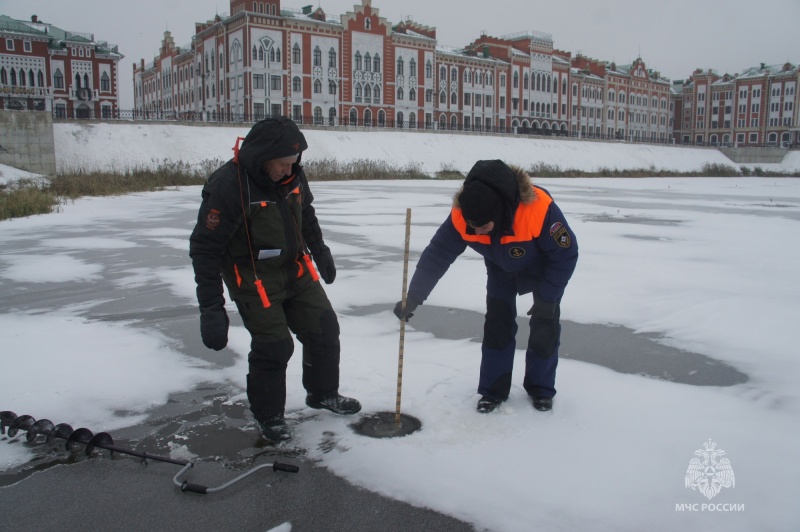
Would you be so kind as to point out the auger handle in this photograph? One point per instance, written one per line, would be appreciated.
(287, 468)
(194, 488)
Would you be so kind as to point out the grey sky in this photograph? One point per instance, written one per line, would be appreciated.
(672, 36)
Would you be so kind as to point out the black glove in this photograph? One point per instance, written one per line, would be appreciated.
(322, 256)
(544, 328)
(214, 325)
(406, 313)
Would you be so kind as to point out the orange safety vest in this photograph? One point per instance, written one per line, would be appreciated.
(528, 221)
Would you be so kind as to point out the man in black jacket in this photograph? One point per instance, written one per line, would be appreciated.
(255, 228)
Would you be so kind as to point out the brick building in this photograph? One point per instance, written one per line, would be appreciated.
(362, 70)
(755, 108)
(43, 67)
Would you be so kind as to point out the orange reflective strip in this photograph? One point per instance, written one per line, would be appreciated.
(300, 270)
(263, 294)
(238, 277)
(310, 266)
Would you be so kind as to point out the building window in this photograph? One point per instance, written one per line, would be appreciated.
(399, 66)
(317, 57)
(58, 79)
(376, 63)
(275, 83)
(428, 70)
(296, 84)
(258, 81)
(105, 83)
(331, 87)
(27, 46)
(412, 95)
(412, 68)
(357, 61)
(399, 93)
(297, 113)
(331, 58)
(317, 86)
(10, 45)
(296, 54)
(376, 93)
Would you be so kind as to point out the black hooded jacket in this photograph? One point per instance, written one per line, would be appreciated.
(280, 218)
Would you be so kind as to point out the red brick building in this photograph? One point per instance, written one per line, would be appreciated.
(43, 67)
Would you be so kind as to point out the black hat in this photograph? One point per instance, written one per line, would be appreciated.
(480, 204)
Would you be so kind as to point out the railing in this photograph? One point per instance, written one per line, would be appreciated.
(387, 124)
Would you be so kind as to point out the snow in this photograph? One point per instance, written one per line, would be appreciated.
(709, 265)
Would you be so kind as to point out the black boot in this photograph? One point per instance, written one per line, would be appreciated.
(543, 404)
(275, 429)
(487, 404)
(334, 402)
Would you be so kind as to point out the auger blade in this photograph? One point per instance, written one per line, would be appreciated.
(81, 435)
(6, 418)
(101, 439)
(21, 423)
(43, 426)
(62, 431)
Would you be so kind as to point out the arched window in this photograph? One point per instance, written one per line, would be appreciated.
(515, 82)
(297, 86)
(358, 91)
(318, 115)
(353, 117)
(443, 98)
(255, 53)
(4, 76)
(77, 79)
(376, 93)
(399, 66)
(105, 82)
(412, 95)
(331, 58)
(376, 63)
(453, 98)
(367, 117)
(399, 93)
(358, 61)
(400, 119)
(367, 62)
(525, 81)
(332, 116)
(443, 74)
(454, 75)
(453, 123)
(368, 91)
(412, 120)
(331, 87)
(317, 58)
(381, 118)
(412, 68)
(428, 70)
(31, 78)
(272, 55)
(296, 54)
(318, 88)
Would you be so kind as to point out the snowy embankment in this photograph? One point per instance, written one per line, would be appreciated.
(123, 146)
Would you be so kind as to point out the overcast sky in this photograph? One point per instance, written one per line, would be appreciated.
(672, 36)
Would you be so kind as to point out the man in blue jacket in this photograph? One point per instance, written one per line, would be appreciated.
(527, 247)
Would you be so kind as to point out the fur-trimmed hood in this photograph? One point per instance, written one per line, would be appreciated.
(511, 183)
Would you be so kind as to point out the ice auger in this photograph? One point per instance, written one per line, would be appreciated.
(12, 424)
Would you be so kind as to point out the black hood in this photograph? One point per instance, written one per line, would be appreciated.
(498, 176)
(271, 138)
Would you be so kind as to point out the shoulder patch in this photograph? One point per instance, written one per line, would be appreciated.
(212, 220)
(561, 236)
(516, 252)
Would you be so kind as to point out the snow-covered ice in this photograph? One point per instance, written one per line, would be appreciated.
(709, 265)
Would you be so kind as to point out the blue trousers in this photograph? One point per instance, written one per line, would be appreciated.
(499, 344)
